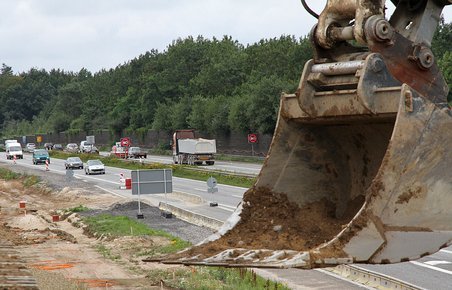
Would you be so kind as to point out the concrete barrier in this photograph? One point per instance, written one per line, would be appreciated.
(191, 217)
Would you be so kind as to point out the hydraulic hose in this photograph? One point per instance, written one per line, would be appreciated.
(310, 11)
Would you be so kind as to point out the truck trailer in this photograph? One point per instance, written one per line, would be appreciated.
(192, 151)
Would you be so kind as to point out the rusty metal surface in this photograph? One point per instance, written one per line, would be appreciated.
(339, 13)
(347, 89)
(430, 83)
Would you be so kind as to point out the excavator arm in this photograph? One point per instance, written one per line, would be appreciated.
(359, 167)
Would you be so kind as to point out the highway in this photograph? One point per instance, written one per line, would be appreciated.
(227, 197)
(430, 272)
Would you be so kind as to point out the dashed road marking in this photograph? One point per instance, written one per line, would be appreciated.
(433, 263)
(227, 207)
(431, 267)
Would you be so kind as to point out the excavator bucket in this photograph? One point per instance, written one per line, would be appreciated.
(359, 170)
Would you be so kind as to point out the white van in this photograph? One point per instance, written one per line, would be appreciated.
(14, 149)
(86, 147)
(10, 141)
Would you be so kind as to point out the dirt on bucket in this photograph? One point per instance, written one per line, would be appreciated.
(270, 221)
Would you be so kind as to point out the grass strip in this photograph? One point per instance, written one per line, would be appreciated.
(119, 226)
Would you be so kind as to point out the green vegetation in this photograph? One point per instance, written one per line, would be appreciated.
(183, 171)
(80, 208)
(250, 159)
(212, 278)
(106, 253)
(7, 174)
(117, 226)
(180, 277)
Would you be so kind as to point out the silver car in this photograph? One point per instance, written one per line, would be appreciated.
(72, 147)
(73, 162)
(30, 147)
(94, 167)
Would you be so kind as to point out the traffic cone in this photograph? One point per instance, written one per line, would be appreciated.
(47, 165)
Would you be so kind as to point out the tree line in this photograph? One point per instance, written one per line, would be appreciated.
(212, 85)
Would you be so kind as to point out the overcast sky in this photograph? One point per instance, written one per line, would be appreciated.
(97, 34)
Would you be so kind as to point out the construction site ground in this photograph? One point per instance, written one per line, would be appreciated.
(60, 255)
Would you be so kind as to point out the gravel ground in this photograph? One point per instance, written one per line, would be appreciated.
(154, 219)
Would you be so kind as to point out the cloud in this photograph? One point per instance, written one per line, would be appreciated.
(96, 34)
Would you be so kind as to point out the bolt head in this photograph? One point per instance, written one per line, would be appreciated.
(383, 30)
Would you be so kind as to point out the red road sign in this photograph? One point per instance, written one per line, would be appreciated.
(252, 138)
(125, 142)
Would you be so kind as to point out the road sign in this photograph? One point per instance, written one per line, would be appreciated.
(39, 139)
(212, 185)
(252, 138)
(152, 181)
(211, 182)
(125, 142)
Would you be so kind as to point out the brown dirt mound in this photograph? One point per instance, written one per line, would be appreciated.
(270, 221)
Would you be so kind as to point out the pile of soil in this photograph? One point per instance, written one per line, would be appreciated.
(270, 221)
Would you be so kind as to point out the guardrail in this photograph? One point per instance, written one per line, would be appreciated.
(371, 279)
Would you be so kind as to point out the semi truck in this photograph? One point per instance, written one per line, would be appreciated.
(192, 151)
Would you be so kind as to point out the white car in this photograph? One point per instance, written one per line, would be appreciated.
(94, 167)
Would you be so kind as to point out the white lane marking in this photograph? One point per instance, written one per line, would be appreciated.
(199, 189)
(235, 187)
(102, 180)
(433, 263)
(238, 196)
(225, 208)
(109, 191)
(431, 267)
(446, 251)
